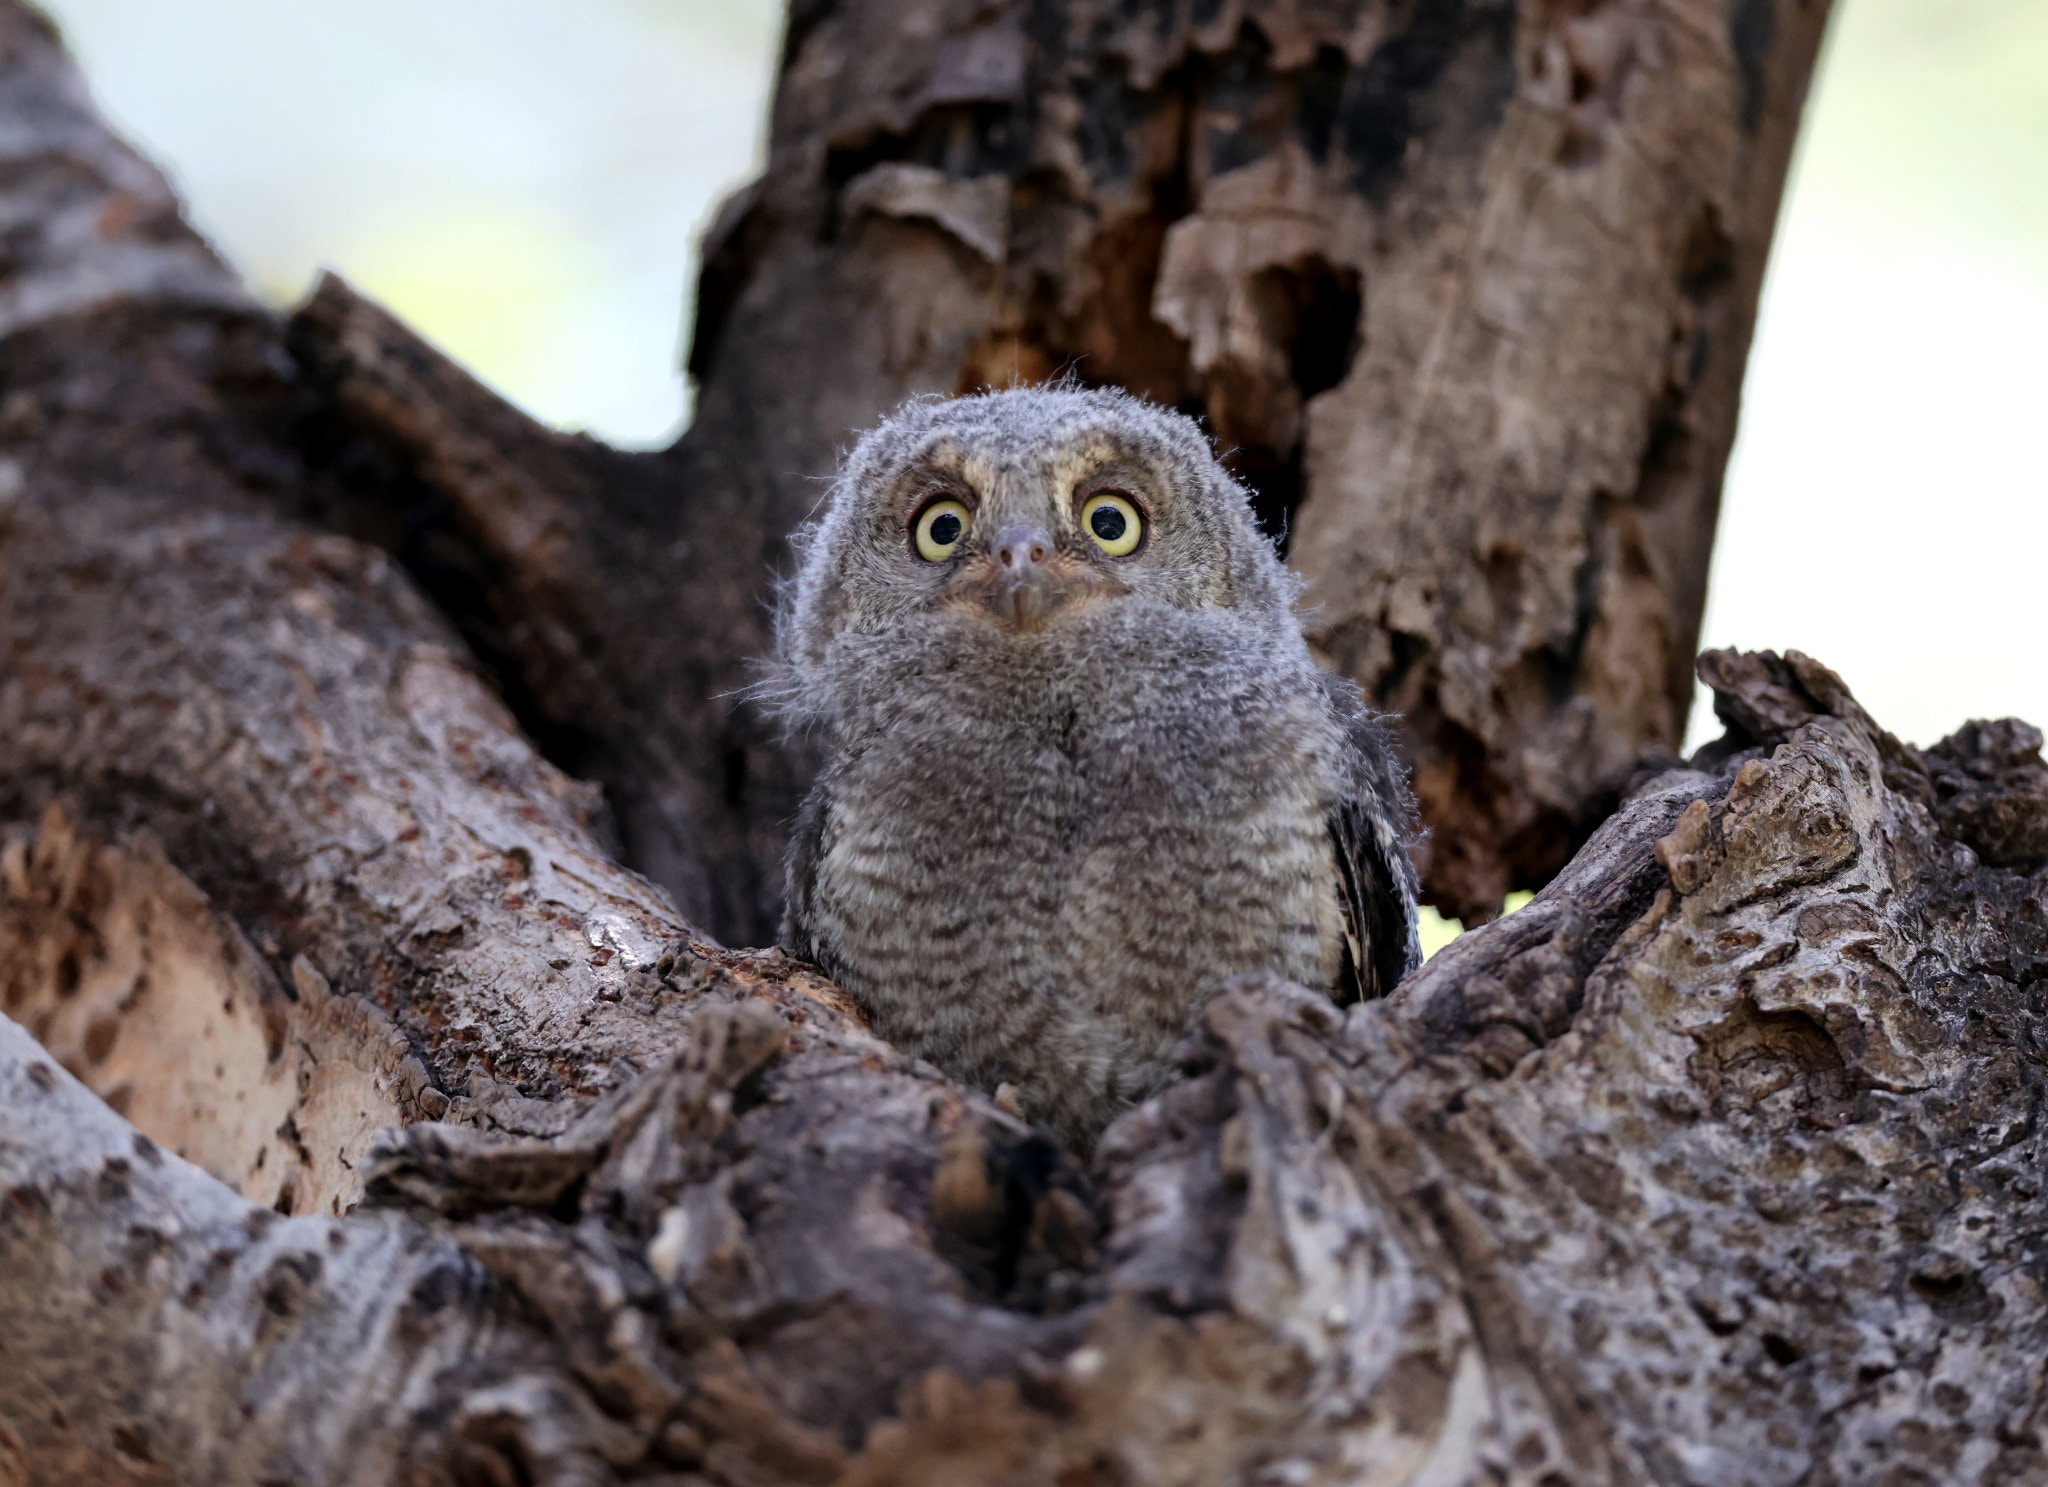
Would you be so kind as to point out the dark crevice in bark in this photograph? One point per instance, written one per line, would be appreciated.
(731, 248)
(1753, 33)
(1388, 101)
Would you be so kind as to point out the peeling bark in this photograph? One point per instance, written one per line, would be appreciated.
(161, 1329)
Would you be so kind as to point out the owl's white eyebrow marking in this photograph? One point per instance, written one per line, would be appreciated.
(1079, 461)
(978, 472)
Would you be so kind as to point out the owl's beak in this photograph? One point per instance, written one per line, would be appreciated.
(1026, 588)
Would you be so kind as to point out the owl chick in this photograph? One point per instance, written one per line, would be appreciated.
(1081, 768)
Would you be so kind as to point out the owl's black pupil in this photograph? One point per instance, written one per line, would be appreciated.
(1106, 522)
(946, 528)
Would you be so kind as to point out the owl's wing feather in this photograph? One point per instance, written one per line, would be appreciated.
(1369, 827)
(800, 874)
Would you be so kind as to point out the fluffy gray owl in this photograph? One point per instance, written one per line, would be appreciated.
(1081, 768)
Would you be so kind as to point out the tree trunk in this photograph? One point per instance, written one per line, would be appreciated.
(361, 1120)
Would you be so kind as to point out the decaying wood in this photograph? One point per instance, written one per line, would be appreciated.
(1466, 290)
(1720, 1162)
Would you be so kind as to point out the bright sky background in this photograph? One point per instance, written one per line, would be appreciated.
(523, 181)
(1887, 507)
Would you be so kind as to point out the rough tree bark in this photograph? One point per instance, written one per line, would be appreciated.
(1720, 1162)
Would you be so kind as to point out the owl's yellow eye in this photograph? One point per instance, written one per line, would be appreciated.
(1113, 521)
(939, 530)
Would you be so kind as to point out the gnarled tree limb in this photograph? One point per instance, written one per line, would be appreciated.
(1717, 1160)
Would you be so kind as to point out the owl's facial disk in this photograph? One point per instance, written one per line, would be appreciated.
(1030, 515)
(1014, 547)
